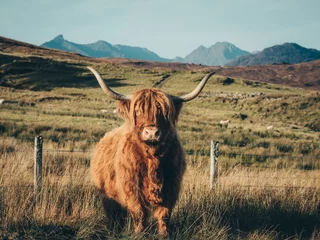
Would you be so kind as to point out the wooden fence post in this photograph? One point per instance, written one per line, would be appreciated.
(214, 154)
(37, 164)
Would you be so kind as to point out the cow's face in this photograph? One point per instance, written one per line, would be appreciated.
(151, 114)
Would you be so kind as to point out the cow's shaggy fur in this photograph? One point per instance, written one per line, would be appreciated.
(138, 175)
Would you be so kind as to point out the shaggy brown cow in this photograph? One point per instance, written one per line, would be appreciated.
(140, 164)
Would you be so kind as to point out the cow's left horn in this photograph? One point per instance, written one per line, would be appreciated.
(108, 90)
(195, 92)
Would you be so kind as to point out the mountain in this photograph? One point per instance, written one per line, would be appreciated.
(177, 59)
(101, 49)
(255, 52)
(20, 63)
(142, 53)
(289, 53)
(216, 55)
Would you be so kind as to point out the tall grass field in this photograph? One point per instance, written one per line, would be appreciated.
(268, 184)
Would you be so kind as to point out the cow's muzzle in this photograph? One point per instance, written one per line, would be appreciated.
(151, 134)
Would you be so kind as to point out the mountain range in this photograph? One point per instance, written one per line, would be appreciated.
(219, 54)
(24, 59)
(287, 53)
(101, 49)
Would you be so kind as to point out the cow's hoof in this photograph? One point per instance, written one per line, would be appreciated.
(163, 234)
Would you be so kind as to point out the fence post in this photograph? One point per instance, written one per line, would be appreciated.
(214, 154)
(37, 164)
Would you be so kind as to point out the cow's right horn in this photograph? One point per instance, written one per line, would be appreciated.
(108, 90)
(195, 92)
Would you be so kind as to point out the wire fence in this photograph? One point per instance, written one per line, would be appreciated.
(205, 152)
(202, 149)
(225, 154)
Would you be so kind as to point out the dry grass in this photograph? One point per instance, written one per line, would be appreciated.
(246, 203)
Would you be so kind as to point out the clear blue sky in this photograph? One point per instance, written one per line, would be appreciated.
(168, 27)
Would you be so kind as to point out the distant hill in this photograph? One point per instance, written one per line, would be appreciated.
(23, 60)
(101, 49)
(287, 53)
(216, 55)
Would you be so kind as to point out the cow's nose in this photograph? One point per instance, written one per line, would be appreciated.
(151, 133)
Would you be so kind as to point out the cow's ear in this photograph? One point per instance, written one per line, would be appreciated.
(123, 109)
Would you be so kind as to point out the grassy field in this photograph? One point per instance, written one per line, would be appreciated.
(246, 203)
(269, 180)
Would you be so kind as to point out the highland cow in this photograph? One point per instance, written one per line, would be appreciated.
(139, 165)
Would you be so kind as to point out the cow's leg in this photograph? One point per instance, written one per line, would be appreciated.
(171, 188)
(134, 207)
(114, 211)
(162, 214)
(138, 216)
(128, 185)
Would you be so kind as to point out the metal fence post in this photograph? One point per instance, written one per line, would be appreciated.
(37, 164)
(214, 154)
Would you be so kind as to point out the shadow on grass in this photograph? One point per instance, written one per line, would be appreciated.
(238, 220)
(38, 231)
(286, 223)
(198, 221)
(40, 74)
(242, 216)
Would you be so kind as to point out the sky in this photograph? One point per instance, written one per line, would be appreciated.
(169, 28)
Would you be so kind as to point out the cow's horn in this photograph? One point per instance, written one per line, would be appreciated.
(195, 92)
(108, 90)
